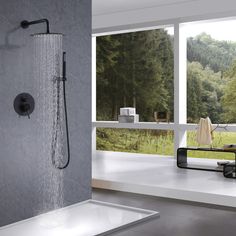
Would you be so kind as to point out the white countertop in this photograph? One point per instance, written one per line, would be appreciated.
(159, 176)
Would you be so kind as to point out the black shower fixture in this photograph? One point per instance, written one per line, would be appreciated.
(24, 104)
(25, 24)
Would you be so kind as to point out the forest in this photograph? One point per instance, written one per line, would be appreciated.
(137, 70)
(211, 79)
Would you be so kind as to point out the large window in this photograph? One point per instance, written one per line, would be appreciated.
(187, 71)
(211, 78)
(135, 70)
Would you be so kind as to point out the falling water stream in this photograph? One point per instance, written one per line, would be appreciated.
(47, 69)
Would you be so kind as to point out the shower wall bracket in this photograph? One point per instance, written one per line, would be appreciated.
(24, 104)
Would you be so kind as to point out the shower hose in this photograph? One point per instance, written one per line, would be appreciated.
(57, 123)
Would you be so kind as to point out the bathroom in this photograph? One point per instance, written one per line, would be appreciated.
(32, 182)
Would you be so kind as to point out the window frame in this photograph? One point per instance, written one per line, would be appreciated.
(180, 125)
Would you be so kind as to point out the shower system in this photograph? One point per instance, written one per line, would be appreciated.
(51, 67)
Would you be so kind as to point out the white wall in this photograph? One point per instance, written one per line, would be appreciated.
(160, 14)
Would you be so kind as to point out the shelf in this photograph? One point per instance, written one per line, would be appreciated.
(210, 149)
(200, 167)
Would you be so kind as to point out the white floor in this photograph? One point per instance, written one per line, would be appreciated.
(84, 219)
(159, 176)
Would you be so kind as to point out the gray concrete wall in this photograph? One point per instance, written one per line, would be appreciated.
(25, 186)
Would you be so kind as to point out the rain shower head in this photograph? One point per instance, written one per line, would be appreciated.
(47, 34)
(25, 24)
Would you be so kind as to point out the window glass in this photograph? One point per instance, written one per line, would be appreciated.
(211, 71)
(136, 141)
(135, 70)
(219, 140)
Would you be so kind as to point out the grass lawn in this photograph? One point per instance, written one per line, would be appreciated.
(157, 142)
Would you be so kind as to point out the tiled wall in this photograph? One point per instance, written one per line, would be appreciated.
(24, 181)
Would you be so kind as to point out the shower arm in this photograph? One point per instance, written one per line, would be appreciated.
(25, 24)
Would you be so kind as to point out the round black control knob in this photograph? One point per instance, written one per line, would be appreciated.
(24, 104)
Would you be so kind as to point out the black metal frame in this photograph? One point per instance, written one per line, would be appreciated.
(183, 163)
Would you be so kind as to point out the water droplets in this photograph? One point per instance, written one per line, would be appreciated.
(50, 119)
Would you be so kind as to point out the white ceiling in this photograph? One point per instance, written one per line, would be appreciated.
(103, 7)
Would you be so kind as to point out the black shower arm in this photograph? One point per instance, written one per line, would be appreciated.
(25, 24)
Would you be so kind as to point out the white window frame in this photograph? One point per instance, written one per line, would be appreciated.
(180, 125)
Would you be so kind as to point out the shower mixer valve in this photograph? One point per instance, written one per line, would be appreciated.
(24, 104)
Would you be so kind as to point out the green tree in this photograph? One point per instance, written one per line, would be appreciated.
(107, 54)
(194, 92)
(135, 69)
(218, 55)
(204, 93)
(229, 97)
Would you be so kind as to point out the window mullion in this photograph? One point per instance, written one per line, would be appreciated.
(180, 85)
